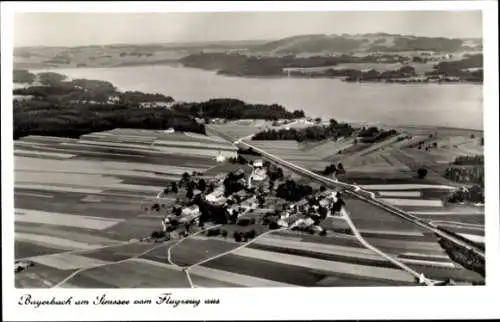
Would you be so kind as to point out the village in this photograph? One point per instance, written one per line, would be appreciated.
(255, 198)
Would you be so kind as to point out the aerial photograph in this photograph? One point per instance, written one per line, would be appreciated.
(248, 149)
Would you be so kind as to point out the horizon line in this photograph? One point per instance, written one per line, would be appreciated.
(199, 42)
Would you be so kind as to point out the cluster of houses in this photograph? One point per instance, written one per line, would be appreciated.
(307, 214)
(238, 203)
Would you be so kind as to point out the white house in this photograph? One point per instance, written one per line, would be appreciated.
(189, 213)
(282, 223)
(258, 175)
(220, 157)
(113, 99)
(258, 164)
(303, 223)
(216, 197)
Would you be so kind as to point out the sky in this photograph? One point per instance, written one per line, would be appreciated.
(79, 29)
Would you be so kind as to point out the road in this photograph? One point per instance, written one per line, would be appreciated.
(364, 195)
(402, 266)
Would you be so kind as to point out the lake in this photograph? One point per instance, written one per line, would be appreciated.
(452, 105)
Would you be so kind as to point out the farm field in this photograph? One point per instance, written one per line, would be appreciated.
(133, 273)
(81, 194)
(234, 130)
(40, 276)
(410, 244)
(81, 204)
(392, 164)
(426, 201)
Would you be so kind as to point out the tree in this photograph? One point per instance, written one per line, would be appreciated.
(157, 234)
(273, 225)
(202, 185)
(23, 76)
(155, 207)
(177, 211)
(185, 176)
(166, 191)
(331, 169)
(250, 234)
(224, 233)
(237, 236)
(51, 78)
(322, 211)
(189, 193)
(174, 188)
(421, 173)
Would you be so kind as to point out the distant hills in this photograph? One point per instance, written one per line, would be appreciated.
(302, 45)
(378, 42)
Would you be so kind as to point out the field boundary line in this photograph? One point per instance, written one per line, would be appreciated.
(169, 250)
(235, 249)
(169, 253)
(81, 270)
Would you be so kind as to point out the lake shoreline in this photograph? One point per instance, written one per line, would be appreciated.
(458, 106)
(280, 76)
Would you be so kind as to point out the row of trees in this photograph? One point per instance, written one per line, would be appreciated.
(248, 151)
(374, 75)
(293, 191)
(464, 256)
(334, 169)
(22, 76)
(232, 183)
(244, 65)
(451, 67)
(233, 109)
(474, 193)
(469, 160)
(64, 119)
(466, 174)
(351, 74)
(56, 89)
(459, 68)
(312, 133)
(64, 108)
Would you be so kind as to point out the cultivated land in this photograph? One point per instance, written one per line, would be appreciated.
(82, 206)
(389, 168)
